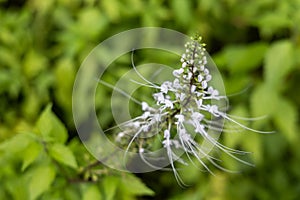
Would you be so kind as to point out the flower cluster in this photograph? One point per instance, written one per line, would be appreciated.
(186, 109)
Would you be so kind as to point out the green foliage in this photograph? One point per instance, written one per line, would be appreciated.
(40, 165)
(243, 58)
(63, 155)
(255, 44)
(279, 66)
(134, 186)
(50, 127)
(40, 180)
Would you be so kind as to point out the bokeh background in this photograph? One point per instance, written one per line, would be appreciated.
(255, 44)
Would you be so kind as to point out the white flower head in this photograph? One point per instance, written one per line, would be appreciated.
(180, 118)
(184, 112)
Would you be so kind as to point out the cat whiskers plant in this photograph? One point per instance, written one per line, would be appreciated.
(187, 110)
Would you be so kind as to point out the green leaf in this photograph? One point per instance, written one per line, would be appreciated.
(270, 23)
(236, 83)
(92, 192)
(182, 11)
(15, 187)
(264, 101)
(110, 184)
(5, 80)
(134, 186)
(17, 143)
(40, 181)
(244, 58)
(91, 19)
(286, 119)
(279, 61)
(34, 63)
(64, 80)
(62, 154)
(51, 127)
(112, 9)
(30, 154)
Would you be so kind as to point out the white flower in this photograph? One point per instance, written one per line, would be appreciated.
(183, 107)
(159, 97)
(166, 141)
(193, 88)
(176, 84)
(202, 67)
(195, 70)
(208, 77)
(120, 136)
(206, 71)
(204, 84)
(176, 144)
(145, 115)
(166, 134)
(204, 60)
(197, 116)
(212, 91)
(182, 96)
(213, 110)
(178, 72)
(199, 94)
(168, 103)
(145, 106)
(188, 76)
(199, 103)
(199, 128)
(180, 118)
(200, 77)
(145, 128)
(165, 87)
(136, 124)
(157, 117)
(141, 150)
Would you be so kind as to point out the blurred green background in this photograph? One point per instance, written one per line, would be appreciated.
(255, 44)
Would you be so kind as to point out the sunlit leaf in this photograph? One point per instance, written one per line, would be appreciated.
(30, 154)
(40, 181)
(111, 8)
(279, 61)
(17, 143)
(181, 10)
(16, 189)
(51, 127)
(92, 192)
(64, 80)
(110, 184)
(244, 58)
(63, 154)
(264, 101)
(286, 119)
(133, 185)
(34, 63)
(269, 23)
